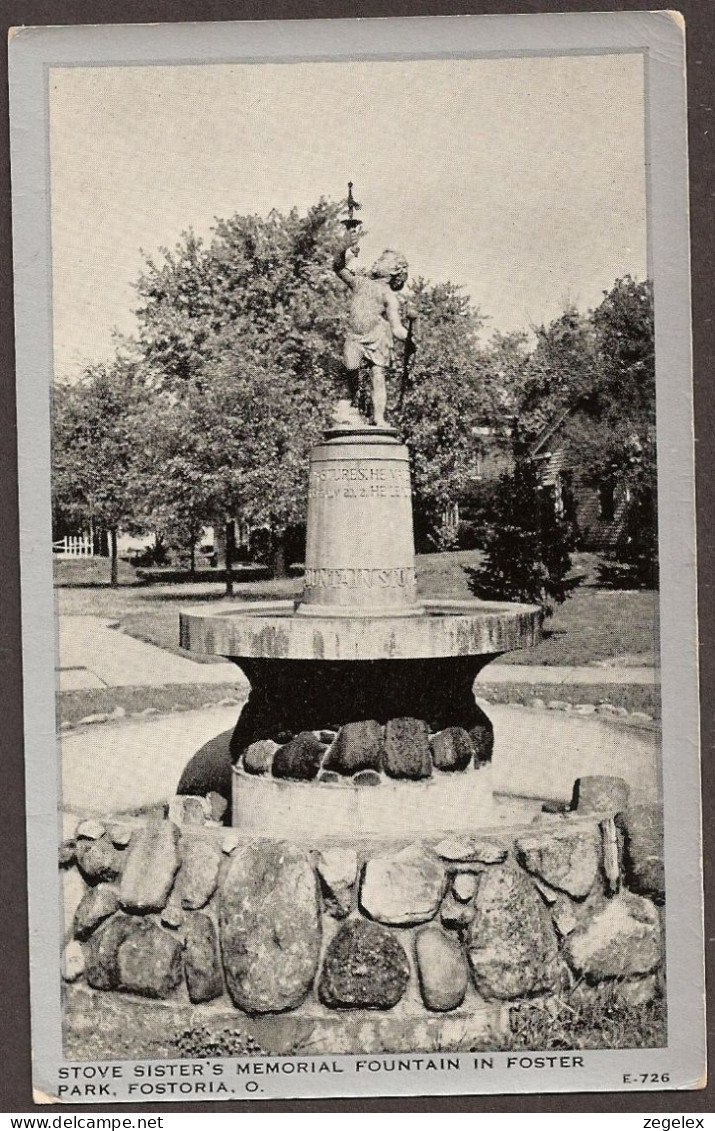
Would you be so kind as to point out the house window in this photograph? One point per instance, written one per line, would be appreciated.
(606, 502)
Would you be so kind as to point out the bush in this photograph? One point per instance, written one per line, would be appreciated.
(526, 544)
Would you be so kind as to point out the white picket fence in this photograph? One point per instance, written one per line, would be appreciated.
(74, 546)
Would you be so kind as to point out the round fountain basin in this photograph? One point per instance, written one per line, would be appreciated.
(273, 630)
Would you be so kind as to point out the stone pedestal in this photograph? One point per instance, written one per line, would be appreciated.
(358, 647)
(360, 554)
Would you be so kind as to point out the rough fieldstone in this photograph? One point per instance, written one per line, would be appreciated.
(407, 749)
(100, 952)
(258, 757)
(564, 915)
(73, 890)
(96, 905)
(98, 860)
(452, 749)
(638, 991)
(217, 804)
(483, 738)
(270, 925)
(402, 888)
(511, 945)
(230, 841)
(198, 876)
(328, 777)
(172, 916)
(456, 916)
(621, 939)
(67, 856)
(120, 835)
(365, 967)
(566, 860)
(471, 849)
(195, 810)
(366, 777)
(152, 861)
(72, 961)
(642, 826)
(358, 746)
(600, 793)
(300, 758)
(149, 961)
(464, 886)
(90, 830)
(337, 870)
(202, 965)
(441, 968)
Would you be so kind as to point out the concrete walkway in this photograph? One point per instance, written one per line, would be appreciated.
(135, 763)
(94, 655)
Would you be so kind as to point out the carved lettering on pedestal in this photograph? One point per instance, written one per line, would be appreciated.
(360, 482)
(395, 578)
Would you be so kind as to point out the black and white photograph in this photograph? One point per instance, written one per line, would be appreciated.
(356, 490)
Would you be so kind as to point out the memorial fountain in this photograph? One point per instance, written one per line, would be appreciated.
(371, 893)
(359, 682)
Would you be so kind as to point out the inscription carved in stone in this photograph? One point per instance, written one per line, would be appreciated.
(360, 482)
(397, 578)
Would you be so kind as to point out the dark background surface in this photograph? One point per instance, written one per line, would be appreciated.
(15, 1076)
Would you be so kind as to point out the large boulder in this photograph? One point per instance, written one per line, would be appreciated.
(100, 953)
(358, 746)
(337, 869)
(402, 888)
(642, 828)
(407, 749)
(98, 860)
(270, 925)
(511, 944)
(152, 861)
(201, 858)
(567, 859)
(600, 793)
(621, 939)
(452, 749)
(442, 969)
(365, 967)
(471, 850)
(258, 757)
(96, 905)
(73, 892)
(149, 961)
(300, 758)
(202, 964)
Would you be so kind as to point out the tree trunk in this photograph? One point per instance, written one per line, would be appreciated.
(114, 575)
(280, 568)
(192, 563)
(230, 555)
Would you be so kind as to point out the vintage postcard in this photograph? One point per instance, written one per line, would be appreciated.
(358, 557)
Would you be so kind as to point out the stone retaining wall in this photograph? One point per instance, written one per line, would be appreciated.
(184, 909)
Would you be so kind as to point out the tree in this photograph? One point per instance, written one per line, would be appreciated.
(243, 339)
(444, 398)
(526, 545)
(97, 434)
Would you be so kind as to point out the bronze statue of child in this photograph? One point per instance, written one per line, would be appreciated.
(373, 322)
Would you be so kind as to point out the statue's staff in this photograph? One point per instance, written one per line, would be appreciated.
(410, 350)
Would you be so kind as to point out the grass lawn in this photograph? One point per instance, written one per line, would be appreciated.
(593, 626)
